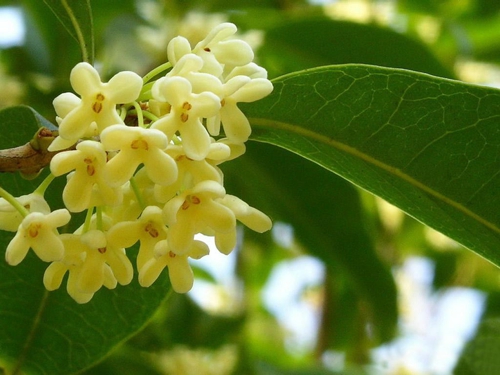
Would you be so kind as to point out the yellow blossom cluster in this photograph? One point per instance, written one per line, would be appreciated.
(141, 157)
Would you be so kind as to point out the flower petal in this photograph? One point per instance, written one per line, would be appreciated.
(180, 273)
(236, 124)
(195, 140)
(177, 48)
(17, 249)
(150, 272)
(65, 103)
(48, 246)
(85, 79)
(53, 275)
(124, 87)
(160, 167)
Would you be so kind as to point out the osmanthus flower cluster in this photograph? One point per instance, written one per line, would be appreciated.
(141, 157)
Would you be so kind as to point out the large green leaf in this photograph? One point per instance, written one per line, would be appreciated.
(49, 333)
(430, 146)
(76, 16)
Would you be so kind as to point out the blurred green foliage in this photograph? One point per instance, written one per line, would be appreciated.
(358, 290)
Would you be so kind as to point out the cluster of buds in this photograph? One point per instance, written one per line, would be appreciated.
(141, 157)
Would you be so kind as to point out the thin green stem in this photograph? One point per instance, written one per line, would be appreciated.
(123, 111)
(150, 116)
(13, 202)
(139, 113)
(156, 71)
(99, 225)
(137, 193)
(45, 184)
(88, 220)
(145, 114)
(145, 92)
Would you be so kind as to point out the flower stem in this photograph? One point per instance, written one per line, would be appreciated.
(137, 193)
(123, 112)
(45, 184)
(88, 220)
(13, 202)
(145, 94)
(156, 71)
(99, 225)
(145, 114)
(139, 113)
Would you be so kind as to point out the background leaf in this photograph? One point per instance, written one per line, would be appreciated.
(480, 356)
(76, 16)
(328, 220)
(47, 332)
(427, 145)
(309, 43)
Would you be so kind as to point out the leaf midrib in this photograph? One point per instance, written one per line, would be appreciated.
(31, 336)
(311, 135)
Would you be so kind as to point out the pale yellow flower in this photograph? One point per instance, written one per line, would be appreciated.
(179, 270)
(138, 146)
(98, 101)
(192, 171)
(189, 67)
(244, 85)
(247, 215)
(194, 211)
(88, 161)
(102, 253)
(10, 218)
(148, 229)
(38, 231)
(81, 284)
(186, 114)
(218, 50)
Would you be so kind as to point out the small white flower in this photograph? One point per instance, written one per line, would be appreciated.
(192, 171)
(38, 231)
(189, 67)
(98, 101)
(177, 48)
(148, 229)
(179, 270)
(186, 113)
(102, 253)
(10, 218)
(88, 161)
(250, 70)
(83, 281)
(64, 104)
(194, 211)
(249, 216)
(217, 50)
(138, 146)
(236, 90)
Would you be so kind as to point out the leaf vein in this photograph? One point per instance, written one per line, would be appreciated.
(311, 135)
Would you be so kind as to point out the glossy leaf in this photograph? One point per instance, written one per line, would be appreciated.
(76, 16)
(428, 145)
(47, 332)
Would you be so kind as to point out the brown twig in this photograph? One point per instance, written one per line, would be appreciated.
(28, 159)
